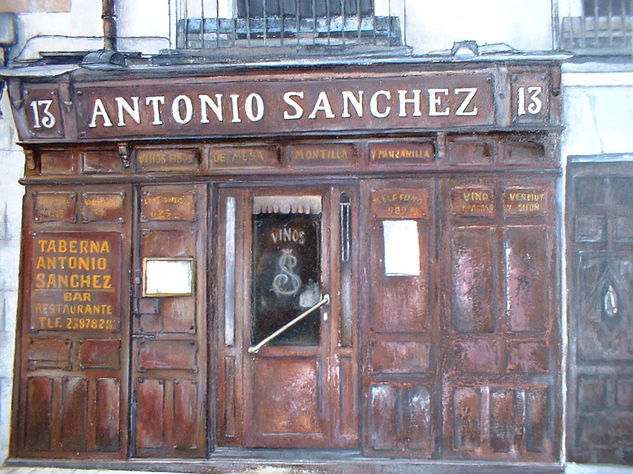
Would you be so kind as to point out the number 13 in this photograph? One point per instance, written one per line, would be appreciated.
(531, 96)
(48, 119)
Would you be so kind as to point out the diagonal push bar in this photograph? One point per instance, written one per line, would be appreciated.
(255, 349)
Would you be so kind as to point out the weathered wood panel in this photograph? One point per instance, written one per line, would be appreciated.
(76, 309)
(500, 349)
(169, 340)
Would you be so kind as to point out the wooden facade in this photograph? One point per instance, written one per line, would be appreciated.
(173, 219)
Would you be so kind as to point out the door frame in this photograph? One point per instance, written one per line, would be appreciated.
(233, 410)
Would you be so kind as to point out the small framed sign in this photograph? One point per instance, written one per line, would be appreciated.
(167, 277)
(402, 248)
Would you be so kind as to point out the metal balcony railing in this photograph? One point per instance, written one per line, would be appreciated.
(604, 28)
(221, 24)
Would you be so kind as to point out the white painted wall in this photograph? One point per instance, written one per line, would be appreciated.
(144, 25)
(148, 26)
(434, 25)
(81, 29)
(598, 111)
(11, 169)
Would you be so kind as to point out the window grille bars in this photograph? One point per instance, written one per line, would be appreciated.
(216, 24)
(604, 27)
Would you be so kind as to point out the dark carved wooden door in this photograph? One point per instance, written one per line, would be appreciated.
(600, 253)
(289, 369)
(169, 357)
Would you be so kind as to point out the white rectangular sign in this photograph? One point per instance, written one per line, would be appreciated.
(402, 248)
(167, 277)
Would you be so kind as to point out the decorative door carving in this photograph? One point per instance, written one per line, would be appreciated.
(600, 253)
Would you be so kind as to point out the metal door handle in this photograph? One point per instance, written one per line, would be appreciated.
(255, 349)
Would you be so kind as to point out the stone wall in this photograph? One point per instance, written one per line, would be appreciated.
(11, 192)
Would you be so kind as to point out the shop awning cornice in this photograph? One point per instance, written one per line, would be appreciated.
(147, 66)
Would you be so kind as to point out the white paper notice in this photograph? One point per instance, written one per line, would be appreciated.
(168, 277)
(402, 248)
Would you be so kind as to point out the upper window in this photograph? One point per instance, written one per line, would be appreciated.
(304, 8)
(597, 26)
(213, 24)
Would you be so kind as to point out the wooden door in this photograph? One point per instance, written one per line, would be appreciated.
(600, 278)
(290, 258)
(169, 356)
(401, 330)
(499, 327)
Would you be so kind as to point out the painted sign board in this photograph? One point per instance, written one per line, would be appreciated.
(75, 281)
(233, 104)
(430, 100)
(206, 106)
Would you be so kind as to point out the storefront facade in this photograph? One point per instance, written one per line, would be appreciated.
(174, 220)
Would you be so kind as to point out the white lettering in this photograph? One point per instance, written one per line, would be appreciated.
(350, 104)
(206, 101)
(461, 110)
(155, 102)
(298, 110)
(373, 104)
(36, 115)
(48, 121)
(435, 102)
(250, 110)
(415, 101)
(322, 105)
(99, 111)
(175, 109)
(132, 110)
(236, 108)
(534, 105)
(356, 102)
